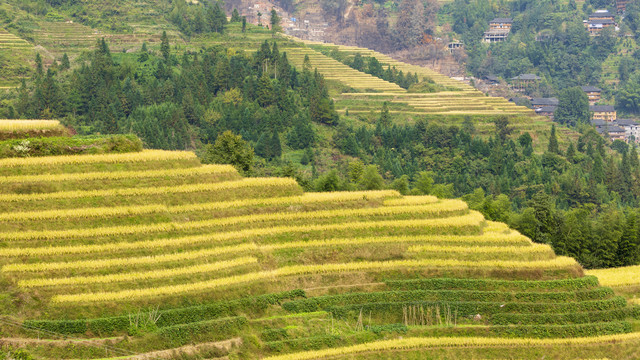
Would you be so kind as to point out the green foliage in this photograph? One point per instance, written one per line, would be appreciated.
(198, 19)
(69, 145)
(583, 283)
(513, 301)
(229, 149)
(212, 330)
(573, 107)
(167, 318)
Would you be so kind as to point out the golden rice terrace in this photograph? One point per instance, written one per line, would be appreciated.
(128, 255)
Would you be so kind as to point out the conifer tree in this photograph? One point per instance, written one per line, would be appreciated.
(64, 62)
(164, 46)
(553, 141)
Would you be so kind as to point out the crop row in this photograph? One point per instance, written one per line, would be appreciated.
(133, 294)
(586, 282)
(145, 155)
(454, 342)
(25, 125)
(306, 198)
(126, 261)
(539, 250)
(157, 190)
(168, 317)
(513, 238)
(189, 255)
(119, 175)
(139, 275)
(196, 254)
(567, 318)
(351, 299)
(471, 219)
(622, 276)
(411, 200)
(393, 310)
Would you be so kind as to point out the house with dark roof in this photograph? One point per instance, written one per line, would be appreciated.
(616, 133)
(601, 14)
(603, 112)
(521, 81)
(593, 93)
(493, 80)
(547, 111)
(540, 102)
(631, 128)
(595, 26)
(499, 29)
(621, 5)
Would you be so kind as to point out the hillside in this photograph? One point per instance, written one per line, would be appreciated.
(129, 255)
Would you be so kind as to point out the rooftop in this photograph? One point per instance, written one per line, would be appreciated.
(626, 122)
(526, 77)
(601, 13)
(601, 22)
(547, 109)
(590, 88)
(544, 101)
(602, 108)
(501, 20)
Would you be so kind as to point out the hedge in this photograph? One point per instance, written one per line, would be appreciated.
(170, 317)
(211, 330)
(585, 282)
(471, 308)
(51, 146)
(568, 318)
(323, 302)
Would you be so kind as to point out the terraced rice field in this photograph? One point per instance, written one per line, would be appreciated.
(335, 70)
(74, 38)
(10, 129)
(19, 55)
(93, 242)
(9, 41)
(460, 99)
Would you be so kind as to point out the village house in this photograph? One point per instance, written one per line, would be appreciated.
(603, 112)
(455, 45)
(547, 111)
(599, 20)
(621, 5)
(499, 29)
(522, 81)
(541, 102)
(631, 128)
(593, 93)
(490, 79)
(626, 130)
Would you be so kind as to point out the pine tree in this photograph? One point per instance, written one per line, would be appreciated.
(275, 146)
(627, 247)
(39, 66)
(358, 63)
(571, 152)
(275, 23)
(597, 173)
(244, 24)
(64, 62)
(235, 16)
(165, 48)
(553, 141)
(385, 118)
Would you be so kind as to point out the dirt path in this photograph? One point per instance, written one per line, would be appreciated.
(65, 342)
(226, 345)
